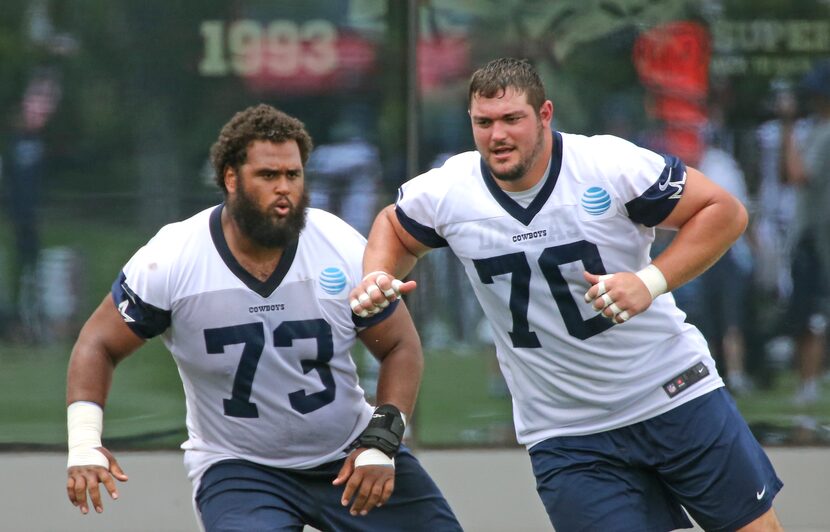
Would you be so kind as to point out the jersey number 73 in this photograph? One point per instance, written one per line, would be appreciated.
(252, 337)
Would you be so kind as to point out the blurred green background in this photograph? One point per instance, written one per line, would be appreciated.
(131, 95)
(462, 401)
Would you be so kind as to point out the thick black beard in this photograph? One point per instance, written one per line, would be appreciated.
(267, 231)
(521, 169)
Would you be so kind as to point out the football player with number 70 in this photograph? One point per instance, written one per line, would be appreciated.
(615, 396)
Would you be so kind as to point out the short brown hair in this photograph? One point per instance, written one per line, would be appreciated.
(495, 77)
(260, 122)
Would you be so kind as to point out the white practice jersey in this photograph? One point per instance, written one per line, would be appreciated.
(266, 367)
(569, 370)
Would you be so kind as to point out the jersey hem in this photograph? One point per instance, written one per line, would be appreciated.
(662, 409)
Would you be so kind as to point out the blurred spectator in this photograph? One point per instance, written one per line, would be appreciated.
(345, 174)
(774, 215)
(808, 168)
(722, 289)
(772, 219)
(344, 179)
(23, 172)
(716, 301)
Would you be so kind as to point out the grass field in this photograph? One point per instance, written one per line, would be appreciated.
(457, 406)
(146, 405)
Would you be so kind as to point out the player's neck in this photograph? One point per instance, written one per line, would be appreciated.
(257, 260)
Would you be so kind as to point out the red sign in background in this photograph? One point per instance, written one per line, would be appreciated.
(442, 59)
(672, 61)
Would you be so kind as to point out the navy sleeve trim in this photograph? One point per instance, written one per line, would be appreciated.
(659, 200)
(144, 319)
(425, 235)
(377, 318)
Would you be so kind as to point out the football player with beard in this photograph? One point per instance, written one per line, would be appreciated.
(251, 298)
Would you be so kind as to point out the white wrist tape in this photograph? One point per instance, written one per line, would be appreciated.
(84, 424)
(654, 280)
(373, 457)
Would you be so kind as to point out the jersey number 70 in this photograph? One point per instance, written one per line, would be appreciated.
(549, 262)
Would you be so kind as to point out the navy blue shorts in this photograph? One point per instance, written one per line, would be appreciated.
(723, 290)
(700, 455)
(236, 495)
(810, 287)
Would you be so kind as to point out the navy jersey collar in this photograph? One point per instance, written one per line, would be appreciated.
(514, 209)
(264, 288)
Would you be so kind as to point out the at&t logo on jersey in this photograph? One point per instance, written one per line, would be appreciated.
(332, 281)
(596, 201)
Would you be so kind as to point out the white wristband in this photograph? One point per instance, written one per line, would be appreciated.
(84, 424)
(654, 280)
(373, 457)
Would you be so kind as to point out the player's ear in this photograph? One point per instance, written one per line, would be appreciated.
(546, 111)
(230, 179)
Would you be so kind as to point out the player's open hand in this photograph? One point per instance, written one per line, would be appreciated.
(376, 291)
(367, 487)
(619, 296)
(88, 478)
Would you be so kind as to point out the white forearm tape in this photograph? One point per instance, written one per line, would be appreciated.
(654, 280)
(373, 457)
(85, 424)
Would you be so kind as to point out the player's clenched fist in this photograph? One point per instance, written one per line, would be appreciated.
(621, 296)
(376, 291)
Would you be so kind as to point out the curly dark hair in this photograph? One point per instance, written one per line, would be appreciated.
(260, 122)
(495, 77)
